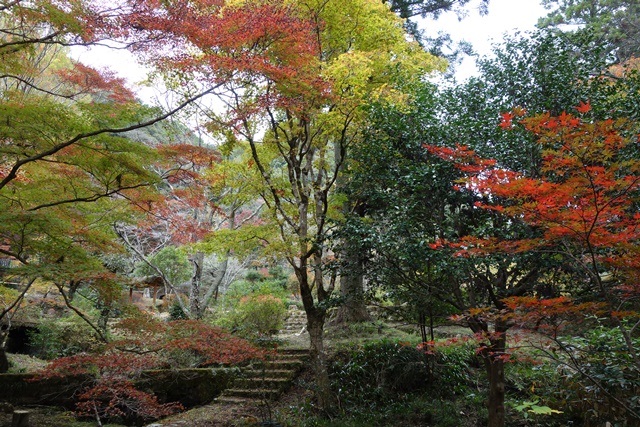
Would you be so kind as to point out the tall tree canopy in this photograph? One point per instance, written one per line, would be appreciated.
(613, 22)
(67, 172)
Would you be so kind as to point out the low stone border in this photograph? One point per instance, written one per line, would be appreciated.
(190, 387)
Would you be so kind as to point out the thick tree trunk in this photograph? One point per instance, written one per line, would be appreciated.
(315, 328)
(353, 308)
(315, 325)
(495, 372)
(20, 418)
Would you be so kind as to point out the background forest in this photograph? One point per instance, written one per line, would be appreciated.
(465, 253)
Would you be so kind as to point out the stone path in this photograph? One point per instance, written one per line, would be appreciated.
(246, 403)
(266, 380)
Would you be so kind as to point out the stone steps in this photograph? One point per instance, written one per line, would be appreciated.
(236, 400)
(273, 373)
(266, 379)
(272, 383)
(295, 322)
(256, 394)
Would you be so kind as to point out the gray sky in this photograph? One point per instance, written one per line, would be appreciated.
(483, 31)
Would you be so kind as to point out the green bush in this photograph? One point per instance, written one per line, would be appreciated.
(452, 368)
(62, 337)
(255, 316)
(369, 376)
(388, 383)
(253, 276)
(253, 309)
(242, 288)
(176, 312)
(602, 356)
(274, 274)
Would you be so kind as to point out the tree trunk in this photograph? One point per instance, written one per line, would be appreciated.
(353, 308)
(103, 319)
(4, 360)
(494, 364)
(315, 325)
(194, 295)
(73, 288)
(495, 372)
(315, 328)
(20, 418)
(218, 279)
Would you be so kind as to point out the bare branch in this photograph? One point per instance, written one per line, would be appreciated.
(83, 316)
(56, 148)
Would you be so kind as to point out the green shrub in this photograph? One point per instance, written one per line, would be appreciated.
(375, 381)
(242, 288)
(253, 276)
(253, 310)
(62, 337)
(369, 376)
(176, 312)
(602, 356)
(451, 369)
(255, 316)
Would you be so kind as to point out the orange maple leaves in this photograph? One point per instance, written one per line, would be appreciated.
(87, 80)
(586, 194)
(217, 43)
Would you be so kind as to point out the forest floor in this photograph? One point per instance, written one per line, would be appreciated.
(245, 414)
(300, 394)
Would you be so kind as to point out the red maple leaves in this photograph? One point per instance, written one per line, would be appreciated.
(146, 343)
(585, 199)
(587, 189)
(87, 80)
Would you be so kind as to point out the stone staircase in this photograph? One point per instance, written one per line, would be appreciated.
(266, 380)
(295, 322)
(259, 383)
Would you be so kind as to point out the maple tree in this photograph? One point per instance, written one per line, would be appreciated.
(67, 171)
(585, 200)
(179, 214)
(292, 80)
(582, 207)
(56, 201)
(202, 198)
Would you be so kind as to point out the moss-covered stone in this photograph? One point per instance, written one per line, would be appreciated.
(191, 387)
(23, 389)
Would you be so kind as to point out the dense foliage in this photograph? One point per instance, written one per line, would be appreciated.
(507, 202)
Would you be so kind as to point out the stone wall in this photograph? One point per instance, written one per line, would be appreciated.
(190, 387)
(22, 389)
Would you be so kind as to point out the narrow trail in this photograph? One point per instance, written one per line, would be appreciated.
(261, 384)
